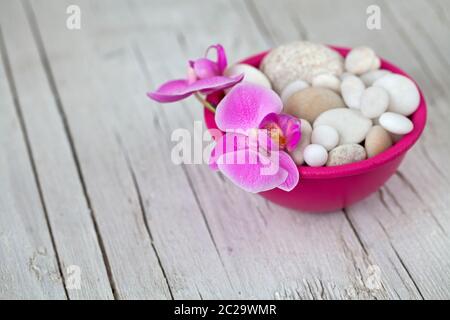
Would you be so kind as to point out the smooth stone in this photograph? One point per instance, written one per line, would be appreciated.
(327, 81)
(404, 96)
(345, 75)
(297, 153)
(361, 60)
(351, 125)
(370, 77)
(315, 155)
(377, 140)
(376, 64)
(251, 74)
(395, 137)
(396, 123)
(300, 60)
(292, 88)
(374, 102)
(310, 102)
(326, 136)
(352, 89)
(344, 154)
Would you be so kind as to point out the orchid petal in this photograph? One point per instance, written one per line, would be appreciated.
(248, 175)
(287, 164)
(227, 143)
(171, 91)
(291, 130)
(179, 89)
(209, 85)
(221, 57)
(257, 140)
(205, 68)
(269, 119)
(245, 106)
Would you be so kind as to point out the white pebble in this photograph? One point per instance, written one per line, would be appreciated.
(370, 77)
(374, 102)
(326, 136)
(376, 64)
(404, 96)
(351, 125)
(396, 123)
(352, 88)
(251, 74)
(328, 81)
(345, 75)
(292, 88)
(361, 60)
(315, 155)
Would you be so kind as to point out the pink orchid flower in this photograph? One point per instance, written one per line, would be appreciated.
(204, 76)
(253, 151)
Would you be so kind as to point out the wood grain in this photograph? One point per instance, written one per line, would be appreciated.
(86, 176)
(421, 231)
(29, 266)
(66, 205)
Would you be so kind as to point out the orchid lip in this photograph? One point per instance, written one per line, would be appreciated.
(276, 134)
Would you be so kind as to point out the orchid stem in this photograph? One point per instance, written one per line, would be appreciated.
(205, 103)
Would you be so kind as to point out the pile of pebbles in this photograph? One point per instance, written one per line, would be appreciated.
(349, 109)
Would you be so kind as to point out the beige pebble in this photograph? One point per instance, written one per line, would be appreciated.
(292, 88)
(309, 103)
(300, 60)
(297, 153)
(377, 140)
(346, 153)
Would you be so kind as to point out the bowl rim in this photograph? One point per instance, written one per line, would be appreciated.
(400, 147)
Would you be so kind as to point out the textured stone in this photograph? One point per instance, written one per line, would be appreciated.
(300, 60)
(344, 154)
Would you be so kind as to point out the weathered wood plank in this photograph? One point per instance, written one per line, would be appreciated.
(135, 268)
(422, 231)
(28, 264)
(184, 231)
(297, 255)
(130, 130)
(69, 215)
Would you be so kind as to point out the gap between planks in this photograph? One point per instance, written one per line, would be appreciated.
(53, 86)
(12, 86)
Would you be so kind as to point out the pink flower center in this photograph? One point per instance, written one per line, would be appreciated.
(276, 134)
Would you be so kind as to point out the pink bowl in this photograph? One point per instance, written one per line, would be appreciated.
(332, 188)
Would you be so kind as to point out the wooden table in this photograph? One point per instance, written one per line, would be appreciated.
(92, 207)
